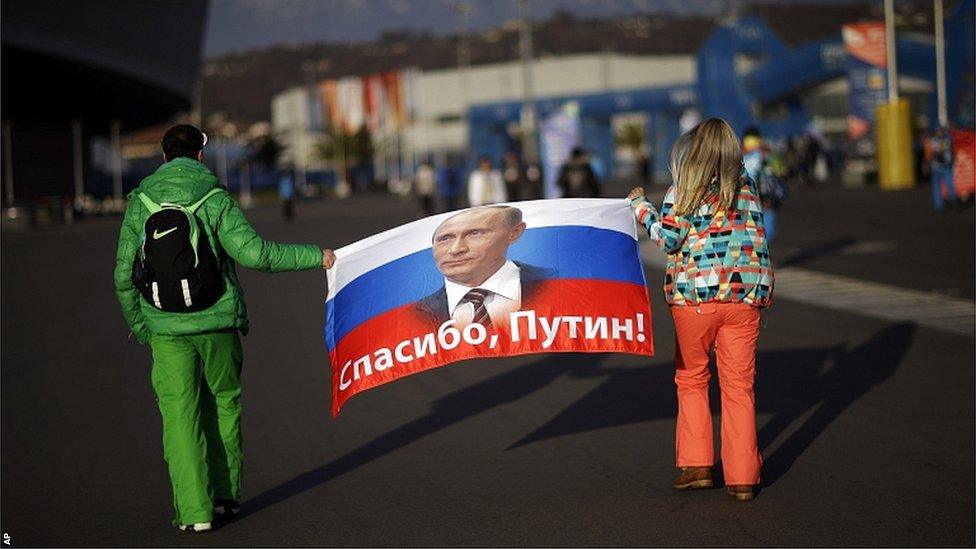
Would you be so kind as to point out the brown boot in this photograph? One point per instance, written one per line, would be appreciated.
(742, 492)
(693, 478)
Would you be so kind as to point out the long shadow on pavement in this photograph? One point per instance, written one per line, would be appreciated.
(791, 383)
(855, 372)
(816, 250)
(507, 387)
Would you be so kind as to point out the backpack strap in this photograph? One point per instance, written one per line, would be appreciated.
(192, 208)
(190, 212)
(149, 204)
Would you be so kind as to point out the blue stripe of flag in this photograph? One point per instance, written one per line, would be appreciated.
(574, 252)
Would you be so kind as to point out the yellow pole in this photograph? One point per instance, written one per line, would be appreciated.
(896, 166)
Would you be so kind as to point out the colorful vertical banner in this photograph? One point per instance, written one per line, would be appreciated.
(559, 134)
(394, 98)
(537, 276)
(351, 103)
(408, 84)
(963, 158)
(329, 92)
(867, 72)
(383, 102)
(376, 104)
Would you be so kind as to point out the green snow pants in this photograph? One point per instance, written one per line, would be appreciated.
(197, 381)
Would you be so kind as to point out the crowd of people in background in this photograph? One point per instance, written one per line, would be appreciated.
(798, 161)
(440, 188)
(487, 184)
(446, 184)
(775, 165)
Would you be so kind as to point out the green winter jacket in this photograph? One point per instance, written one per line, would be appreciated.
(184, 181)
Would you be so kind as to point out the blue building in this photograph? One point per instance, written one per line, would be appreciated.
(747, 75)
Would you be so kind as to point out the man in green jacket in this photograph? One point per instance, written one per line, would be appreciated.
(197, 355)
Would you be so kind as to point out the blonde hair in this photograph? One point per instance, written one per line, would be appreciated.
(708, 152)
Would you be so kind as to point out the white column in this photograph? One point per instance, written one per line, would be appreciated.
(940, 71)
(528, 122)
(462, 9)
(889, 11)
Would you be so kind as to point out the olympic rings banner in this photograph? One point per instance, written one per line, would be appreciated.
(526, 277)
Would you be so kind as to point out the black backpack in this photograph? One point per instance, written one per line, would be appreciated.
(175, 268)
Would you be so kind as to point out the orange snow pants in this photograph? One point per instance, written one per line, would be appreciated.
(733, 329)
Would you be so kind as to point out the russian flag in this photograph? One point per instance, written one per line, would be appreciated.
(581, 289)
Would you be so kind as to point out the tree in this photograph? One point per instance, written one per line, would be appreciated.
(631, 136)
(356, 148)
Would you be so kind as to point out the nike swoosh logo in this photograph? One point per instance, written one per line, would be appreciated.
(157, 235)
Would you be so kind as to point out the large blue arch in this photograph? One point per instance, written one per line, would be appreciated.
(781, 76)
(785, 72)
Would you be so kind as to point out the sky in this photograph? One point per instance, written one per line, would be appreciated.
(238, 25)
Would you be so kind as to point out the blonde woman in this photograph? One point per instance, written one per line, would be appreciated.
(718, 278)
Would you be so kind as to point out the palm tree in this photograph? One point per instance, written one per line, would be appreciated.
(631, 136)
(356, 148)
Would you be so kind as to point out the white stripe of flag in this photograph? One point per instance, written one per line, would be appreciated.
(375, 251)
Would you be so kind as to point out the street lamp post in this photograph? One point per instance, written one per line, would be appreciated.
(940, 71)
(889, 13)
(462, 9)
(529, 145)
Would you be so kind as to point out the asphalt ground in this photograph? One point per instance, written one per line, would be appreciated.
(889, 237)
(866, 425)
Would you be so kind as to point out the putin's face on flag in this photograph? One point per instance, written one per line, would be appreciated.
(472, 245)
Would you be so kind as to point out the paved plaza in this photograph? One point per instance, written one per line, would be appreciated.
(865, 408)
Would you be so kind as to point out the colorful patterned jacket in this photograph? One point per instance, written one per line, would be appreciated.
(713, 255)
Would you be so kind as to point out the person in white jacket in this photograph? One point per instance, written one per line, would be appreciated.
(485, 185)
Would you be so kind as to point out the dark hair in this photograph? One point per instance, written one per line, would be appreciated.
(513, 215)
(751, 130)
(183, 140)
(577, 152)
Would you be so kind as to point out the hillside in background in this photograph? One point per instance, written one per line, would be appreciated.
(240, 86)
